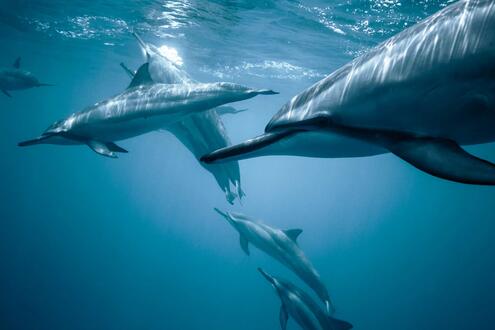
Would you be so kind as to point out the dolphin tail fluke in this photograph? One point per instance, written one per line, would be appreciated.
(247, 149)
(444, 159)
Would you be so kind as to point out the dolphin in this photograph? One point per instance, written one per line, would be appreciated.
(281, 245)
(200, 133)
(137, 111)
(302, 308)
(419, 95)
(14, 78)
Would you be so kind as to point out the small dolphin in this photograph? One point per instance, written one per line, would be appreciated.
(280, 245)
(137, 111)
(200, 133)
(419, 95)
(302, 308)
(14, 78)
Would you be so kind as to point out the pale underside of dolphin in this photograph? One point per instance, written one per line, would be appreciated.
(15, 78)
(201, 132)
(420, 95)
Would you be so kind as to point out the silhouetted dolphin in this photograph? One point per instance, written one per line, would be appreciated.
(419, 95)
(140, 110)
(280, 245)
(14, 78)
(302, 308)
(200, 133)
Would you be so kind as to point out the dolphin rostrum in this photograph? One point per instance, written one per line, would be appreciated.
(137, 111)
(15, 78)
(419, 95)
(200, 133)
(302, 308)
(281, 245)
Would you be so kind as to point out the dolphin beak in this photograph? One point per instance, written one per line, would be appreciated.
(266, 275)
(37, 140)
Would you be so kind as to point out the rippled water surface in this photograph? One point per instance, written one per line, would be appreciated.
(93, 243)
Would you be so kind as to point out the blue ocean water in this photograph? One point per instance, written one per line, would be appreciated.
(88, 242)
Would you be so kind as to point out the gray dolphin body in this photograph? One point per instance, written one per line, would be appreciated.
(201, 132)
(14, 78)
(137, 111)
(420, 95)
(280, 245)
(301, 307)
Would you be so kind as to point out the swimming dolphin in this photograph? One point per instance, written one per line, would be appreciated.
(14, 78)
(302, 308)
(419, 95)
(201, 132)
(280, 245)
(137, 111)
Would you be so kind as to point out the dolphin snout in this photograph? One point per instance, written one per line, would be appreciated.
(268, 277)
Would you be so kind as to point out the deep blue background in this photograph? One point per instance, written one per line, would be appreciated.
(93, 243)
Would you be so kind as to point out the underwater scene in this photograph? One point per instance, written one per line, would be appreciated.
(236, 165)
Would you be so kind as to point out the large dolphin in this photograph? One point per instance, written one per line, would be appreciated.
(302, 308)
(420, 95)
(200, 133)
(139, 110)
(15, 78)
(280, 245)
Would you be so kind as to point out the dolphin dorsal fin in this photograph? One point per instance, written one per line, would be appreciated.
(283, 317)
(293, 234)
(244, 244)
(141, 77)
(17, 63)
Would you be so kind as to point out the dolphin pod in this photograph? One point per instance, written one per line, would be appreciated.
(419, 95)
(200, 132)
(281, 245)
(302, 308)
(15, 78)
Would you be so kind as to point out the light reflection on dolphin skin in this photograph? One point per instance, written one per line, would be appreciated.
(419, 95)
(200, 133)
(301, 307)
(281, 245)
(15, 78)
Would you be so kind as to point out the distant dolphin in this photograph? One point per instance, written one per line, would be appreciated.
(137, 111)
(200, 133)
(419, 95)
(14, 78)
(302, 308)
(280, 245)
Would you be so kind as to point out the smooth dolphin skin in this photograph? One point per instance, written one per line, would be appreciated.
(420, 95)
(14, 78)
(137, 111)
(301, 307)
(280, 245)
(200, 133)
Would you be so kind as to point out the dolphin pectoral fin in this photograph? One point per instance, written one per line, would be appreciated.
(245, 149)
(293, 234)
(6, 93)
(17, 63)
(283, 317)
(129, 72)
(444, 159)
(101, 148)
(113, 147)
(339, 324)
(244, 244)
